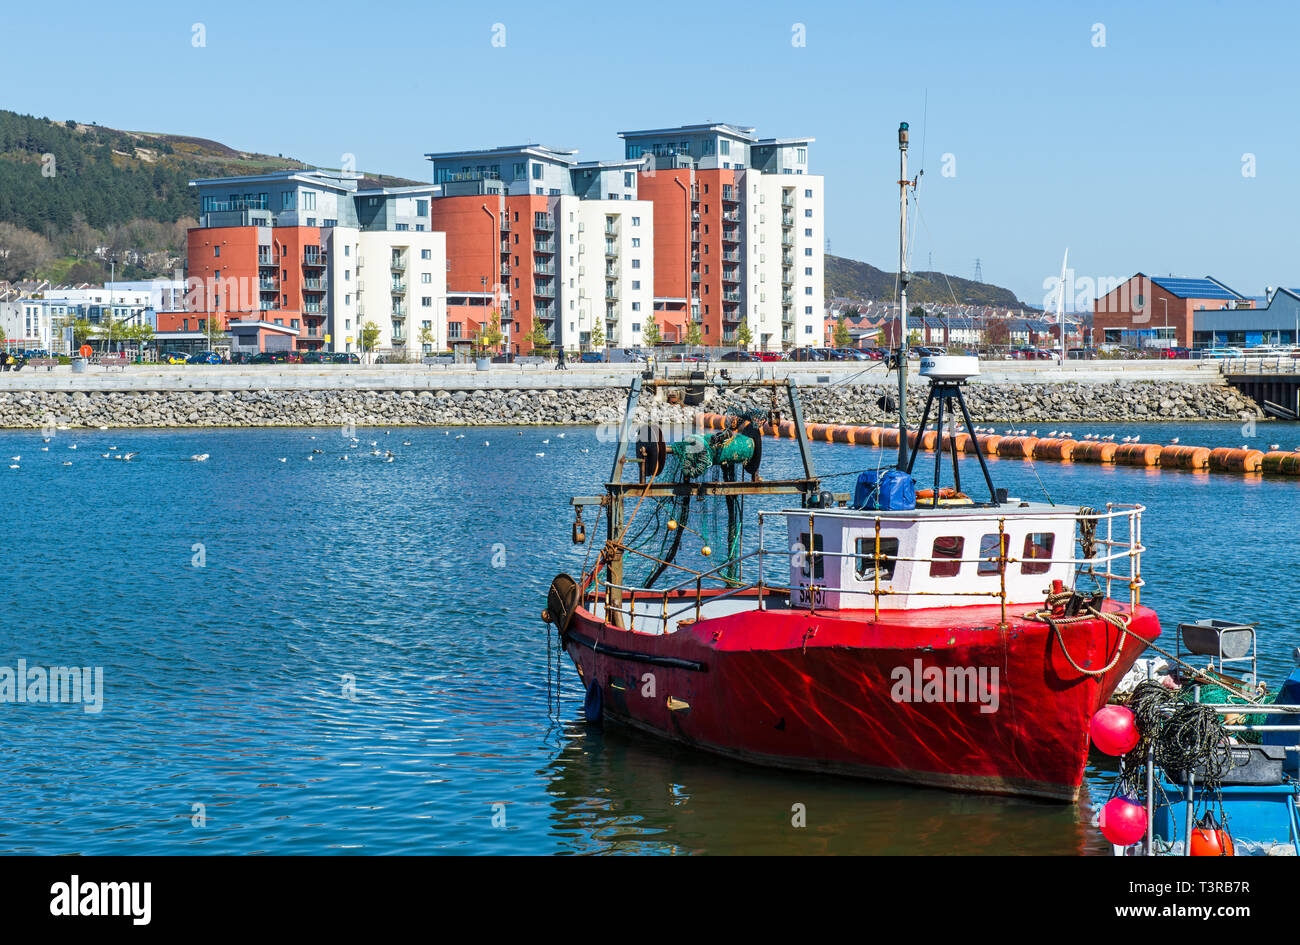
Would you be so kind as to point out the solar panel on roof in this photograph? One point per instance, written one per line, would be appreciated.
(1194, 288)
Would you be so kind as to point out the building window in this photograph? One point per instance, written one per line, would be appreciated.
(426, 301)
(807, 232)
(422, 208)
(807, 251)
(347, 250)
(724, 147)
(216, 251)
(537, 171)
(808, 212)
(426, 254)
(286, 200)
(807, 309)
(520, 171)
(636, 285)
(636, 221)
(636, 306)
(945, 557)
(807, 270)
(803, 155)
(636, 242)
(403, 226)
(636, 264)
(426, 278)
(807, 329)
(808, 194)
(309, 200)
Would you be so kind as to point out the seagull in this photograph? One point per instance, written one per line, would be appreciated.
(343, 458)
(73, 446)
(561, 436)
(68, 463)
(389, 460)
(1174, 442)
(47, 439)
(103, 428)
(130, 456)
(460, 436)
(406, 442)
(446, 433)
(311, 459)
(539, 454)
(546, 442)
(585, 450)
(15, 458)
(198, 457)
(487, 442)
(284, 459)
(1273, 446)
(14, 466)
(105, 455)
(318, 451)
(45, 449)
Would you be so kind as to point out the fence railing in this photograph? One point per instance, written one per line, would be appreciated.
(1115, 557)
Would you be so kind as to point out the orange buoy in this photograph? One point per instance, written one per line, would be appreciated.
(865, 436)
(1138, 454)
(989, 443)
(1022, 446)
(1226, 459)
(889, 437)
(1054, 448)
(1093, 451)
(961, 441)
(786, 429)
(1184, 457)
(1286, 464)
(818, 431)
(928, 439)
(841, 434)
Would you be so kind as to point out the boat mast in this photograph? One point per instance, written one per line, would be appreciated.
(902, 283)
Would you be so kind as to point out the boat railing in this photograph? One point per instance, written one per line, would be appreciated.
(1116, 557)
(1189, 785)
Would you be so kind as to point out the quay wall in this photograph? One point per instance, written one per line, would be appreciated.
(1020, 403)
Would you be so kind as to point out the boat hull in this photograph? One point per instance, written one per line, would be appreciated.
(945, 697)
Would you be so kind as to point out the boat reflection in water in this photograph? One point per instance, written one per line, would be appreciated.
(614, 790)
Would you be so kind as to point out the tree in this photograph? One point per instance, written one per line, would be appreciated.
(597, 335)
(914, 338)
(537, 338)
(651, 334)
(744, 337)
(22, 252)
(489, 336)
(81, 331)
(370, 333)
(426, 337)
(917, 312)
(841, 335)
(693, 334)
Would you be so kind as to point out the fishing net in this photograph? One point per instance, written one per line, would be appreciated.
(718, 521)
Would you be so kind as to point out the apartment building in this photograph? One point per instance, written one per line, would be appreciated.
(550, 246)
(306, 259)
(44, 322)
(739, 232)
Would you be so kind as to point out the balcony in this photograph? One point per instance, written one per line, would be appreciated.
(695, 216)
(787, 239)
(611, 249)
(505, 270)
(268, 283)
(787, 259)
(695, 236)
(731, 295)
(611, 272)
(731, 216)
(730, 194)
(544, 290)
(266, 259)
(398, 312)
(731, 256)
(787, 199)
(544, 268)
(610, 292)
(787, 219)
(313, 308)
(543, 221)
(398, 263)
(731, 235)
(505, 223)
(397, 287)
(544, 246)
(319, 260)
(695, 277)
(611, 229)
(313, 285)
(732, 275)
(543, 313)
(505, 246)
(787, 298)
(787, 277)
(695, 192)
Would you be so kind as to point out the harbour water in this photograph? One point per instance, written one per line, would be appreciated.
(328, 655)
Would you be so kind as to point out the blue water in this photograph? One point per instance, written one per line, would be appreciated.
(347, 670)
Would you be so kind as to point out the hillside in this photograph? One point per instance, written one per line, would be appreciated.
(74, 196)
(849, 278)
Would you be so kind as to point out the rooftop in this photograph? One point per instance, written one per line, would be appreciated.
(1191, 288)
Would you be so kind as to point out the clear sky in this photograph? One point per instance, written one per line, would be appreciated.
(1119, 130)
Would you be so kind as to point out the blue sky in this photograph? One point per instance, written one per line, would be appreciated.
(1131, 153)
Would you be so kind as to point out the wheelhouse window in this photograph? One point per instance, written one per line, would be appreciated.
(869, 564)
(810, 558)
(945, 557)
(1038, 546)
(992, 560)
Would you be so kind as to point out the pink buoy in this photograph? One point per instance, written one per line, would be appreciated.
(1123, 821)
(1114, 730)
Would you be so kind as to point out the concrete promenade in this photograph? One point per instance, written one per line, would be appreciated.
(581, 376)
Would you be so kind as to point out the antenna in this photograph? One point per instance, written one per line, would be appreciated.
(979, 271)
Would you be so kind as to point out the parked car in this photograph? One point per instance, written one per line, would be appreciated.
(204, 357)
(806, 354)
(171, 357)
(738, 356)
(344, 357)
(768, 356)
(1175, 354)
(1221, 353)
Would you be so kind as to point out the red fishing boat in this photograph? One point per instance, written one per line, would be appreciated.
(933, 640)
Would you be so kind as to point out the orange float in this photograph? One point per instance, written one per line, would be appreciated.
(1227, 459)
(1094, 452)
(1054, 448)
(1021, 446)
(1184, 457)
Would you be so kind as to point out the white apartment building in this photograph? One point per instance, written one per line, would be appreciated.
(783, 251)
(606, 268)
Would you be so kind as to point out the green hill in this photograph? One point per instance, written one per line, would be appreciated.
(849, 278)
(68, 189)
